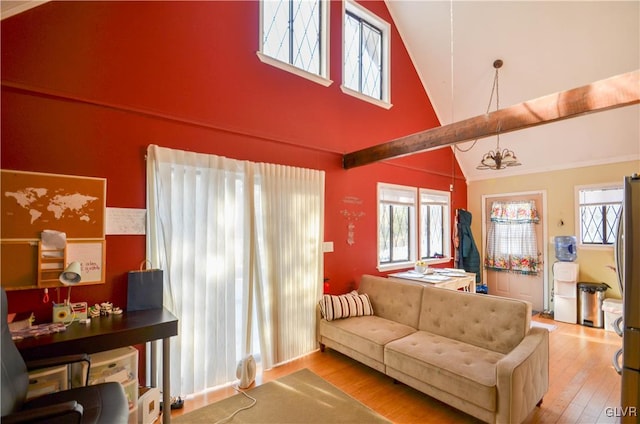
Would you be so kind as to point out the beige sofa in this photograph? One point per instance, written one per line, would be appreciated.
(474, 352)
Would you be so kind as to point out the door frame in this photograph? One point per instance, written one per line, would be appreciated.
(545, 235)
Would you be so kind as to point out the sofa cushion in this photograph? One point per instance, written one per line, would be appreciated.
(394, 300)
(494, 323)
(366, 334)
(461, 369)
(345, 306)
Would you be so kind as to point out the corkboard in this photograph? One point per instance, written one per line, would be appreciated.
(33, 202)
(19, 267)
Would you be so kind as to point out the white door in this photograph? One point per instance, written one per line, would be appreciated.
(515, 285)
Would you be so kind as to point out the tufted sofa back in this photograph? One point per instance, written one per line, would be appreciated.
(490, 322)
(394, 300)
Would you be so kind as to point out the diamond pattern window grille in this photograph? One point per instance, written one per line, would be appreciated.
(292, 33)
(598, 223)
(432, 240)
(362, 57)
(394, 233)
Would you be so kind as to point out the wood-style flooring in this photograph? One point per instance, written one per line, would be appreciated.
(583, 387)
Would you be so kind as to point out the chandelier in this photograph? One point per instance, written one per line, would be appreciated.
(497, 159)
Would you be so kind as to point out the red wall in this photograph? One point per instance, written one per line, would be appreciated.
(87, 86)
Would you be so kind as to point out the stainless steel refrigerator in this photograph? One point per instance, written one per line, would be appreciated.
(628, 254)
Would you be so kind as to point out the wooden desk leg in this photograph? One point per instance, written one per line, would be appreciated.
(166, 374)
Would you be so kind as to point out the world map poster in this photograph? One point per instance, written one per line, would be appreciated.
(32, 202)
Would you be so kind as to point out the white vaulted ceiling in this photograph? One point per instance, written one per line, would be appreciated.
(547, 47)
(10, 8)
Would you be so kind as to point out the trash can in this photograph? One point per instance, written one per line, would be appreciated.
(591, 297)
(612, 309)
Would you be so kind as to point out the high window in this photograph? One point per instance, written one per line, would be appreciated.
(412, 224)
(599, 210)
(366, 55)
(294, 37)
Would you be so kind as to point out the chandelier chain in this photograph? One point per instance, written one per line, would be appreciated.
(497, 87)
(494, 90)
(497, 159)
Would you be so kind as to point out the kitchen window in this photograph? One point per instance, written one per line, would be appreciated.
(598, 212)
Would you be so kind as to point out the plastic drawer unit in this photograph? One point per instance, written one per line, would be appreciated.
(49, 380)
(120, 366)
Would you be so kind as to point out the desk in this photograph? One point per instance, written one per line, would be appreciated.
(452, 281)
(111, 332)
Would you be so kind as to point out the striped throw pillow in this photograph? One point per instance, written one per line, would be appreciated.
(345, 306)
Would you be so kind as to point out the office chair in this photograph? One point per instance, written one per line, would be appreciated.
(101, 403)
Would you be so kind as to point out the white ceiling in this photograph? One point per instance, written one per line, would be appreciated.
(10, 8)
(547, 47)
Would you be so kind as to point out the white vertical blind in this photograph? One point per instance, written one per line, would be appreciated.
(289, 211)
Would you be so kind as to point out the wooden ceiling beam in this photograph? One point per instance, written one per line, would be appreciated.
(618, 91)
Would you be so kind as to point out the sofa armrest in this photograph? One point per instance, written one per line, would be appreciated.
(523, 377)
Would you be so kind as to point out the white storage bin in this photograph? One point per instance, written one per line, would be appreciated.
(120, 366)
(148, 405)
(612, 310)
(45, 381)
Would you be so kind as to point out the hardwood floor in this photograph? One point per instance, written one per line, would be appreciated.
(583, 383)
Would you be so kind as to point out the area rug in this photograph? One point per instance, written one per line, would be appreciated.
(301, 397)
(549, 327)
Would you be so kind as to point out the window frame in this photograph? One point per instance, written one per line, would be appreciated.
(578, 215)
(384, 27)
(322, 78)
(414, 227)
(446, 223)
(393, 190)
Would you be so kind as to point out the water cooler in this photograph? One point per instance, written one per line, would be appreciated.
(565, 280)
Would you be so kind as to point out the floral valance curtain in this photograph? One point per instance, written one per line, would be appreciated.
(511, 237)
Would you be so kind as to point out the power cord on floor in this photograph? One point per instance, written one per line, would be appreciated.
(176, 403)
(254, 401)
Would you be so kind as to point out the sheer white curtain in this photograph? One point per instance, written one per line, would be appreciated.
(223, 263)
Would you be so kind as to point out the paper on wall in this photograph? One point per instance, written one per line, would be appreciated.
(53, 243)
